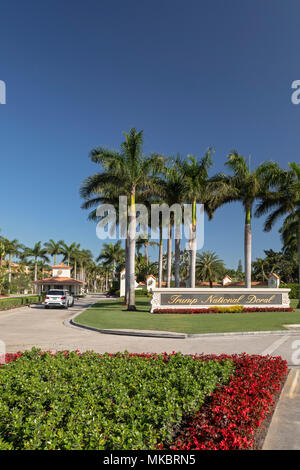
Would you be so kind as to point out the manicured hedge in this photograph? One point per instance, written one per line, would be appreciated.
(294, 293)
(11, 302)
(86, 401)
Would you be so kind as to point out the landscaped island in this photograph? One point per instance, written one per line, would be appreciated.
(70, 400)
(114, 315)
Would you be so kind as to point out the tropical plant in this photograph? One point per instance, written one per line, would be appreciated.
(53, 248)
(246, 186)
(199, 188)
(36, 252)
(111, 254)
(284, 200)
(209, 267)
(129, 171)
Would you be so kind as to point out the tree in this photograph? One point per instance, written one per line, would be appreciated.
(111, 254)
(284, 200)
(171, 188)
(209, 267)
(53, 248)
(37, 252)
(12, 248)
(129, 171)
(69, 251)
(245, 186)
(200, 189)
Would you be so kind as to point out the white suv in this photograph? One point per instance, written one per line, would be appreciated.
(59, 298)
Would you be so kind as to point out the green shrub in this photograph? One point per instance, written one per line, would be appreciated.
(140, 292)
(294, 293)
(122, 401)
(11, 302)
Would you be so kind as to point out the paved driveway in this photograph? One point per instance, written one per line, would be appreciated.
(26, 327)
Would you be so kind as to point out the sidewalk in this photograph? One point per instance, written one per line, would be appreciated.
(284, 430)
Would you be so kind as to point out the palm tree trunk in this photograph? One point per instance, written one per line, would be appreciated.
(106, 280)
(298, 306)
(126, 270)
(169, 256)
(132, 236)
(9, 273)
(193, 245)
(177, 262)
(146, 254)
(160, 257)
(75, 270)
(247, 248)
(35, 275)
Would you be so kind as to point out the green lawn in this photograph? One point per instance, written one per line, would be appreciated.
(113, 315)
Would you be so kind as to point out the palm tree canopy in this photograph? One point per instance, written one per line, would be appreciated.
(284, 199)
(209, 266)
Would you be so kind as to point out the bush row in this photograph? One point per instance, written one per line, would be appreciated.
(237, 409)
(233, 309)
(11, 302)
(125, 401)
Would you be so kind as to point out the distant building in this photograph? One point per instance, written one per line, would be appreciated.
(60, 280)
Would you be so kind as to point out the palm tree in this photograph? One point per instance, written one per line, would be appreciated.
(111, 255)
(171, 189)
(54, 248)
(284, 200)
(209, 267)
(128, 171)
(12, 248)
(37, 252)
(199, 189)
(84, 258)
(69, 251)
(245, 186)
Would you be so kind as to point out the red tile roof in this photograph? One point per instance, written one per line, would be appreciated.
(59, 280)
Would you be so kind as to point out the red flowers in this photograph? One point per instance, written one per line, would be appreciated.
(236, 410)
(214, 310)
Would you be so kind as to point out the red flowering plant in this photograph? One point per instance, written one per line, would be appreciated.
(216, 310)
(236, 410)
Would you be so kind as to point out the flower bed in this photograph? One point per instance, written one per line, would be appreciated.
(235, 411)
(70, 400)
(222, 310)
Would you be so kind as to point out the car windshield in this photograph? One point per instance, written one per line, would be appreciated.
(55, 292)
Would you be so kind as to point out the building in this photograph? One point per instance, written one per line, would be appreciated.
(61, 279)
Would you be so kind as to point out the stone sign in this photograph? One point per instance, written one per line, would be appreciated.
(207, 298)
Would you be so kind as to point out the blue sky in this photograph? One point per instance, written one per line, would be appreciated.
(191, 74)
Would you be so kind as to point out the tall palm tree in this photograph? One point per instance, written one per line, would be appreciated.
(171, 188)
(54, 248)
(195, 173)
(128, 170)
(209, 267)
(284, 200)
(245, 186)
(12, 248)
(69, 251)
(36, 252)
(111, 254)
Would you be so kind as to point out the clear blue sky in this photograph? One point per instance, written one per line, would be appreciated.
(189, 73)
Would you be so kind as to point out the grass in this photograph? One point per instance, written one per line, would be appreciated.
(113, 315)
